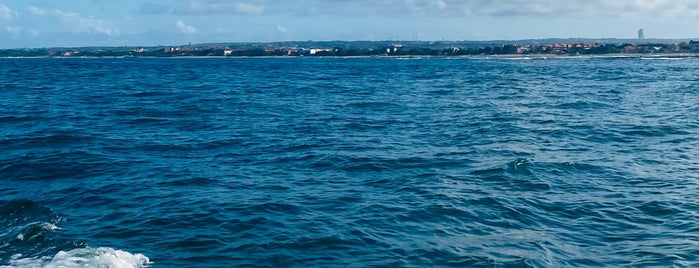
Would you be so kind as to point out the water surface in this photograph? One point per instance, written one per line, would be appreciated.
(349, 162)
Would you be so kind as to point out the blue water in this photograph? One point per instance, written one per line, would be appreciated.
(581, 162)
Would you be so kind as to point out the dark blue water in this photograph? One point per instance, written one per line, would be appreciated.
(580, 162)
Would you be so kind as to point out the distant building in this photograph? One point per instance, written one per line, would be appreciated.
(317, 50)
(524, 49)
(290, 50)
(179, 49)
(70, 53)
(394, 49)
(641, 35)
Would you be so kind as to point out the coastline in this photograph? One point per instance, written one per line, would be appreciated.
(495, 56)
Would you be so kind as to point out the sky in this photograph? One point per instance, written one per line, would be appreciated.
(74, 23)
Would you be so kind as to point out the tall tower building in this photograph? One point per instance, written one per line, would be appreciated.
(641, 36)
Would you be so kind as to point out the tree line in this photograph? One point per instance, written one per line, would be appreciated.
(568, 49)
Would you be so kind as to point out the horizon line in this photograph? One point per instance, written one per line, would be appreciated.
(386, 40)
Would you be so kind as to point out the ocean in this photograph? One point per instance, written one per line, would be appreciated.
(349, 162)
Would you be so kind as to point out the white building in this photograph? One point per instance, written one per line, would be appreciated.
(313, 51)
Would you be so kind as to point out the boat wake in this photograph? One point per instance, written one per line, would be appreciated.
(32, 238)
(83, 257)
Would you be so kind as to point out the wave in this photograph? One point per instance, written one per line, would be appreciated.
(83, 257)
(32, 237)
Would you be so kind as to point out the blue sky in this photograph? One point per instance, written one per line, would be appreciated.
(46, 23)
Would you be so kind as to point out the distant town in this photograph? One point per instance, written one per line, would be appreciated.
(564, 47)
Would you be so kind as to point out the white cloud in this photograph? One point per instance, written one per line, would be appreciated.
(13, 29)
(76, 22)
(493, 8)
(248, 9)
(37, 11)
(83, 24)
(184, 28)
(589, 8)
(282, 29)
(441, 5)
(204, 7)
(6, 13)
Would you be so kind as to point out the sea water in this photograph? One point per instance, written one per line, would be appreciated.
(389, 162)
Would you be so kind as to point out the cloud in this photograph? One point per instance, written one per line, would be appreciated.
(591, 8)
(76, 22)
(491, 8)
(184, 28)
(203, 7)
(82, 24)
(248, 9)
(6, 13)
(429, 8)
(13, 29)
(441, 5)
(37, 11)
(282, 29)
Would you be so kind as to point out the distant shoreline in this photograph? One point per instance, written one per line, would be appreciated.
(614, 55)
(504, 56)
(571, 48)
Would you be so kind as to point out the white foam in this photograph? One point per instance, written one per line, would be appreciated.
(662, 58)
(50, 226)
(83, 258)
(45, 226)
